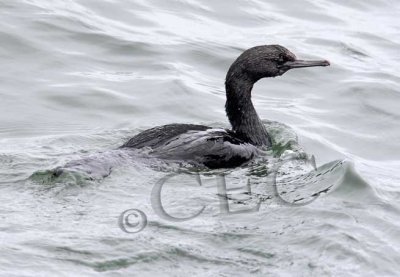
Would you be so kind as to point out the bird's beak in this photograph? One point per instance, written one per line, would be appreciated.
(302, 63)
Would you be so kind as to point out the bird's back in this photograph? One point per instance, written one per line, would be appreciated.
(158, 136)
(197, 144)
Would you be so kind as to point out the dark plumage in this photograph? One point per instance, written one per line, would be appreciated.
(221, 148)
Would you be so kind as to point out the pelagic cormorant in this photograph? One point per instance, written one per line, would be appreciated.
(222, 148)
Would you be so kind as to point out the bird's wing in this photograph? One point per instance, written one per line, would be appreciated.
(214, 148)
(158, 136)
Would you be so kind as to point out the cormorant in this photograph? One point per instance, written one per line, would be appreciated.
(223, 148)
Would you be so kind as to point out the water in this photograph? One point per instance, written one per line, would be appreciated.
(81, 77)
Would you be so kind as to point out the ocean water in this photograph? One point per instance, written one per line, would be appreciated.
(80, 77)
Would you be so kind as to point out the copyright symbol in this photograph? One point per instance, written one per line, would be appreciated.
(132, 221)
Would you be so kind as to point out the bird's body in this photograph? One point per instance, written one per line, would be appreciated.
(222, 148)
(196, 144)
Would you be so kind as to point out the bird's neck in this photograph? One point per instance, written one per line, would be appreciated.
(241, 113)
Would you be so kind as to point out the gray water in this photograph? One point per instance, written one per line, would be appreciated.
(78, 78)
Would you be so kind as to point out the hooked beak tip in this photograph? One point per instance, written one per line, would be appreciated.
(326, 63)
